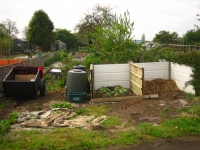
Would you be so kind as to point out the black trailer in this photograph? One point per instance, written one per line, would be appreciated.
(24, 81)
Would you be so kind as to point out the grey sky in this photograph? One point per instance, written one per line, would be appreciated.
(149, 17)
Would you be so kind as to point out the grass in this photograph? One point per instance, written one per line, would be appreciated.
(78, 138)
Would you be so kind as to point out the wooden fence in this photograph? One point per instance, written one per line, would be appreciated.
(136, 79)
(4, 70)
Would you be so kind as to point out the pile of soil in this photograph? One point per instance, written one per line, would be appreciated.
(162, 87)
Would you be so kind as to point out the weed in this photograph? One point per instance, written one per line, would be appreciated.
(4, 126)
(38, 107)
(160, 114)
(190, 96)
(83, 111)
(3, 104)
(166, 109)
(63, 104)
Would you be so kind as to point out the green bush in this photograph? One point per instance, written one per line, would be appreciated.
(91, 59)
(55, 58)
(191, 59)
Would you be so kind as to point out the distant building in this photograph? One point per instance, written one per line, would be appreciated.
(137, 41)
(20, 45)
(58, 45)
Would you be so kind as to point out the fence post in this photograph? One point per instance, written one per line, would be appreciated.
(169, 70)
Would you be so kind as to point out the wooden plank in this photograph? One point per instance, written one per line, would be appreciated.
(25, 77)
(115, 99)
(91, 66)
(135, 65)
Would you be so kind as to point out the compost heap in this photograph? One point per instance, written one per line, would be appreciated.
(162, 87)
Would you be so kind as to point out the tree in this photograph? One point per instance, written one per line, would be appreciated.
(97, 17)
(67, 37)
(3, 30)
(114, 43)
(11, 28)
(25, 32)
(165, 37)
(40, 30)
(192, 37)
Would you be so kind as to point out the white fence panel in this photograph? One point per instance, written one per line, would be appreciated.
(111, 75)
(181, 74)
(153, 70)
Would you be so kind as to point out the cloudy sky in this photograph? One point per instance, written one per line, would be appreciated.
(149, 17)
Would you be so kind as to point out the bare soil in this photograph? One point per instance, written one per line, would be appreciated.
(134, 111)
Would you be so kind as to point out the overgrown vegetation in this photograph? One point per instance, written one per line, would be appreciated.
(191, 59)
(62, 104)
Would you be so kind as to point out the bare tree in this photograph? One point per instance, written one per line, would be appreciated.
(11, 28)
(96, 17)
(3, 31)
(25, 32)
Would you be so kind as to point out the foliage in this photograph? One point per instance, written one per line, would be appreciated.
(92, 59)
(67, 37)
(55, 58)
(6, 44)
(63, 104)
(165, 37)
(192, 37)
(118, 90)
(5, 124)
(40, 30)
(114, 43)
(191, 59)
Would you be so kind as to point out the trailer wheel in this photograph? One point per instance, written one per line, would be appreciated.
(42, 90)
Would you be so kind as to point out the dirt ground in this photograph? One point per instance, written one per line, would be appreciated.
(134, 111)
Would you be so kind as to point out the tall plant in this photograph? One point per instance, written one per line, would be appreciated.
(113, 40)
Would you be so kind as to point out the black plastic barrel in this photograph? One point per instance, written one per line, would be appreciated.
(76, 81)
(81, 67)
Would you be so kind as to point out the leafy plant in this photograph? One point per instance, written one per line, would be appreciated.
(118, 90)
(63, 104)
(104, 89)
(38, 107)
